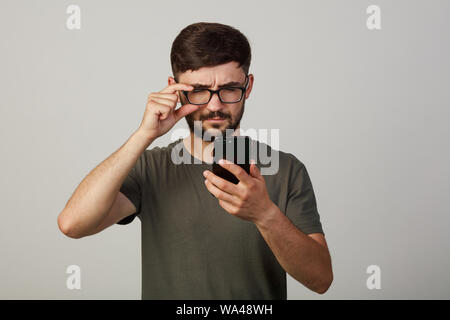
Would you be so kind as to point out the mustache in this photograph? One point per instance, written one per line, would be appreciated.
(214, 115)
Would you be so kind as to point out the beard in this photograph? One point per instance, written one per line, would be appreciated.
(205, 133)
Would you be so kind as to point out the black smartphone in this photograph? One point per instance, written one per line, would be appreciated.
(235, 149)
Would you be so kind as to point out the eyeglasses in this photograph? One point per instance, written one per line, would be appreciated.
(225, 94)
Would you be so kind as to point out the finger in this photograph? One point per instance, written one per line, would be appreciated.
(236, 170)
(228, 207)
(171, 96)
(219, 194)
(161, 110)
(221, 183)
(254, 170)
(164, 101)
(176, 86)
(185, 110)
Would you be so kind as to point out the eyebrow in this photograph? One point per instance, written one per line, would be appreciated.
(205, 86)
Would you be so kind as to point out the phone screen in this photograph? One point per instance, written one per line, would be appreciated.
(235, 149)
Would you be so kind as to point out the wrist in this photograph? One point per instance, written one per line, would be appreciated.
(143, 137)
(268, 217)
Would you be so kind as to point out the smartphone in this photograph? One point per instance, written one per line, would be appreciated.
(235, 149)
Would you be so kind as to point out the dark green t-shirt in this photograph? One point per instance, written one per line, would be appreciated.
(191, 247)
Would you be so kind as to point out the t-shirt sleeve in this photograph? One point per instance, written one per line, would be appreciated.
(301, 204)
(132, 189)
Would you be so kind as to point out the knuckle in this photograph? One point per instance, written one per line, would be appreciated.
(234, 210)
(172, 105)
(220, 184)
(162, 109)
(239, 171)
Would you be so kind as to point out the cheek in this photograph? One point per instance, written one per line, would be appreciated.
(196, 114)
(236, 112)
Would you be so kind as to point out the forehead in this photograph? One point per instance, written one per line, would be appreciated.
(213, 76)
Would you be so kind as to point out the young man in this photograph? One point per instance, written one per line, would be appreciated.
(238, 244)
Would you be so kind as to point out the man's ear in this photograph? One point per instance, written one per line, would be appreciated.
(251, 78)
(170, 80)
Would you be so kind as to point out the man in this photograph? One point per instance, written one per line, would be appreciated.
(238, 244)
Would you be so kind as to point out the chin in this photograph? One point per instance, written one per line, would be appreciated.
(213, 131)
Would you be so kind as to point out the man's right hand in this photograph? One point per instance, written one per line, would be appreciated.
(160, 114)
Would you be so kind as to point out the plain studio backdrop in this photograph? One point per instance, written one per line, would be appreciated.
(365, 110)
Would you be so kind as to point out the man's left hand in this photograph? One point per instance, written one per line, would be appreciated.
(248, 199)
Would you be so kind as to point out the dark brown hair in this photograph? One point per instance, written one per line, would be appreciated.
(207, 44)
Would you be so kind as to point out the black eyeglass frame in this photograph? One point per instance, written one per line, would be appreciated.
(212, 92)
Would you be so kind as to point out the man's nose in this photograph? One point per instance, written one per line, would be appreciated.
(214, 104)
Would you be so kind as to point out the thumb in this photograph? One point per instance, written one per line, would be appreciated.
(254, 171)
(185, 110)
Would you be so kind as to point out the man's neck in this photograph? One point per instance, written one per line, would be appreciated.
(199, 148)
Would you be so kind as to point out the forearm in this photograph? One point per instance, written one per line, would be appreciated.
(95, 195)
(302, 257)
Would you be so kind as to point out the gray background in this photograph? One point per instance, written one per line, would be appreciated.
(366, 111)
